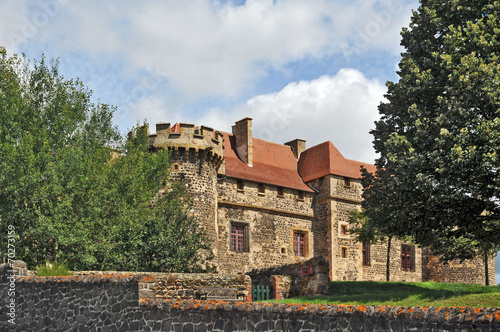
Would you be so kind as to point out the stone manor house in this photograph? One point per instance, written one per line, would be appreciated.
(265, 204)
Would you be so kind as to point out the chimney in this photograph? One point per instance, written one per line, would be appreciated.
(298, 146)
(242, 131)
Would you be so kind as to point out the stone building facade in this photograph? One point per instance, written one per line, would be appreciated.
(265, 205)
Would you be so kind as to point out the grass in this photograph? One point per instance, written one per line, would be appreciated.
(52, 269)
(430, 294)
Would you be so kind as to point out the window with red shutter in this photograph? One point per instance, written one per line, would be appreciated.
(406, 257)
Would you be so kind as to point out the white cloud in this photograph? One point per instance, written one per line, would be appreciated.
(341, 109)
(207, 47)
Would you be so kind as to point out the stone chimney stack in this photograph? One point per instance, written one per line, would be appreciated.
(242, 131)
(298, 146)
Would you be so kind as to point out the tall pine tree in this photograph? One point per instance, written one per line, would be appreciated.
(439, 133)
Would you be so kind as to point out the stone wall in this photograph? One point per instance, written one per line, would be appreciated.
(181, 285)
(469, 271)
(111, 303)
(291, 281)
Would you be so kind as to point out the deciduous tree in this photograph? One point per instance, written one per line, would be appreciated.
(75, 190)
(439, 133)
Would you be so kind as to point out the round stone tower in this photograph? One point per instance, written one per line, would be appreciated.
(196, 155)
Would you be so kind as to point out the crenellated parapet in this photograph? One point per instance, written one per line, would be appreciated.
(189, 142)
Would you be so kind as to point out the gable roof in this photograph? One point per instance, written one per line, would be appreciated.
(272, 164)
(324, 159)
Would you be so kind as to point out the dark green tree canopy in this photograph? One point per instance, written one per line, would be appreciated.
(75, 190)
(439, 133)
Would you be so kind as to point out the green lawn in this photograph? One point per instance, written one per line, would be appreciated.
(406, 294)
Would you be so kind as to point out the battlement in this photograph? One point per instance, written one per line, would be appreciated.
(187, 136)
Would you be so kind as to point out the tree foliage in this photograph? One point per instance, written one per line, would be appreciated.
(439, 133)
(76, 191)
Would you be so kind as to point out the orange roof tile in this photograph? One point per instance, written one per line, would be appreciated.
(324, 159)
(272, 164)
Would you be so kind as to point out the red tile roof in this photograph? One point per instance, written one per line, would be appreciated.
(272, 164)
(324, 159)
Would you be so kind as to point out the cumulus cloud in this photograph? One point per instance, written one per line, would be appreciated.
(340, 108)
(209, 47)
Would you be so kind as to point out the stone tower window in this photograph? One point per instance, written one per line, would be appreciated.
(407, 257)
(239, 237)
(366, 254)
(175, 167)
(239, 185)
(343, 230)
(280, 191)
(300, 243)
(347, 182)
(300, 195)
(261, 189)
(344, 252)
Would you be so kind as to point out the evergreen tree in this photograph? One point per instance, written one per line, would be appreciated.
(439, 133)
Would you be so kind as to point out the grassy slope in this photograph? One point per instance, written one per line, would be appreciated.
(406, 294)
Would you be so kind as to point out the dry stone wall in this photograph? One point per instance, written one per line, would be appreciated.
(112, 303)
(181, 285)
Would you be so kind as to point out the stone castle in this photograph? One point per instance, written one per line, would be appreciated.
(265, 204)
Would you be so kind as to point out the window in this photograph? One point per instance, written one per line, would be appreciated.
(347, 182)
(300, 195)
(175, 167)
(239, 237)
(280, 191)
(299, 244)
(320, 182)
(261, 189)
(407, 257)
(344, 252)
(366, 254)
(239, 185)
(343, 229)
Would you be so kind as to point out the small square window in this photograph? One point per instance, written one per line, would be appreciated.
(175, 167)
(261, 189)
(281, 191)
(343, 229)
(320, 182)
(239, 185)
(347, 182)
(300, 195)
(344, 252)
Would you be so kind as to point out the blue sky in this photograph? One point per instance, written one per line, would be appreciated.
(310, 69)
